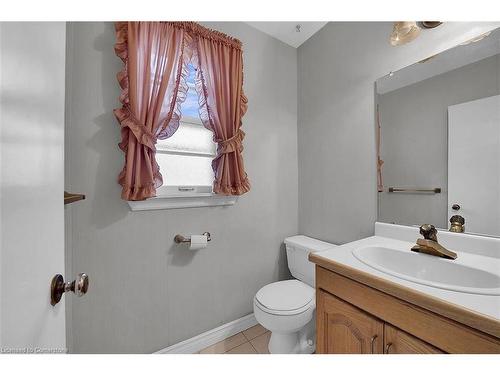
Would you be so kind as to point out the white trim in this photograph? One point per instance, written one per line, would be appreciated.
(184, 191)
(197, 343)
(160, 150)
(166, 202)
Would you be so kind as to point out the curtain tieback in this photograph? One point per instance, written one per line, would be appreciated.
(231, 144)
(140, 131)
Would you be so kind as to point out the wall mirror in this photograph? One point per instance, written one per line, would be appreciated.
(438, 135)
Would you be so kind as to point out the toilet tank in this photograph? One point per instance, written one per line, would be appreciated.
(297, 252)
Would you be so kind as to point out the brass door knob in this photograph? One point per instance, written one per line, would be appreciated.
(58, 287)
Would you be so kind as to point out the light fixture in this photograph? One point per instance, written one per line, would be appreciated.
(423, 61)
(404, 32)
(430, 24)
(476, 39)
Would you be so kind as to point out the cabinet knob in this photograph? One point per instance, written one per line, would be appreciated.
(372, 343)
(58, 287)
(388, 347)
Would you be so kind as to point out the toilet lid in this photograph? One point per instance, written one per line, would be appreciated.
(285, 295)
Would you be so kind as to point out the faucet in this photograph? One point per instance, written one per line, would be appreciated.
(429, 244)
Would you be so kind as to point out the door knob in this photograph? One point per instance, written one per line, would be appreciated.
(58, 287)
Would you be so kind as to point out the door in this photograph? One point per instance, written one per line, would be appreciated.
(32, 69)
(397, 341)
(345, 329)
(474, 164)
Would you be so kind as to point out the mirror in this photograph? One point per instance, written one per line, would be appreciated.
(438, 136)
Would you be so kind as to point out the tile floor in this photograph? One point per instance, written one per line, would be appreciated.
(254, 340)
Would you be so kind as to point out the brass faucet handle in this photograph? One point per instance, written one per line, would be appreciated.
(429, 232)
(429, 244)
(457, 224)
(457, 219)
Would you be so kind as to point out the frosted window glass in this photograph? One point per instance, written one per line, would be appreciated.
(185, 159)
(192, 138)
(185, 170)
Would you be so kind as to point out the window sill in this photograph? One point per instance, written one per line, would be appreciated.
(173, 202)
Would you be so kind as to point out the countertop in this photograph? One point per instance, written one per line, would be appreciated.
(477, 310)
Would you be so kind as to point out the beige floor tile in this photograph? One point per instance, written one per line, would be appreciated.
(245, 348)
(254, 331)
(225, 345)
(260, 343)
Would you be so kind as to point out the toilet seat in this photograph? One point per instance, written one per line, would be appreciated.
(289, 297)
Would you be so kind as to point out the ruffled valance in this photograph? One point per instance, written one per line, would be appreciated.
(197, 30)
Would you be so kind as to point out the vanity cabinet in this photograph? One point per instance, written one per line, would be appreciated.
(352, 317)
(345, 329)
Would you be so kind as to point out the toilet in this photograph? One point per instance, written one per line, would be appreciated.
(287, 308)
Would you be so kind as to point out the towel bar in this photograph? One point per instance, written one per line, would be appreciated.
(405, 190)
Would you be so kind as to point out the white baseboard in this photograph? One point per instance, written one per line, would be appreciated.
(197, 343)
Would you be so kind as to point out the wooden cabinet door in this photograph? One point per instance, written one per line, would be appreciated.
(397, 341)
(345, 329)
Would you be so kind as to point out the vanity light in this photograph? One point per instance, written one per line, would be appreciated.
(404, 32)
(430, 24)
(476, 39)
(423, 61)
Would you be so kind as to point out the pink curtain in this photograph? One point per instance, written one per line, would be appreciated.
(153, 82)
(380, 162)
(222, 105)
(153, 86)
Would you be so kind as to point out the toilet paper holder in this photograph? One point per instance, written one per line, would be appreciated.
(179, 238)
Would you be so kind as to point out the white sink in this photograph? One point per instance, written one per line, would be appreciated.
(431, 270)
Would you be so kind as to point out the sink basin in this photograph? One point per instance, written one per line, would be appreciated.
(430, 270)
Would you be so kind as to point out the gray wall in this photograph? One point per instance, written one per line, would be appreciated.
(337, 68)
(414, 123)
(146, 294)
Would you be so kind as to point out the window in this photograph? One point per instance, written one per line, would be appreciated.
(185, 161)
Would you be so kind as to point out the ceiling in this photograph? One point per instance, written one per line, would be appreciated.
(287, 32)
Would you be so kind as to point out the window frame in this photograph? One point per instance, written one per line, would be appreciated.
(172, 197)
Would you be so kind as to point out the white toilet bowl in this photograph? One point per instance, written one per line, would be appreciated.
(288, 308)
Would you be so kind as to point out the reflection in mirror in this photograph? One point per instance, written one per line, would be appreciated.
(439, 142)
